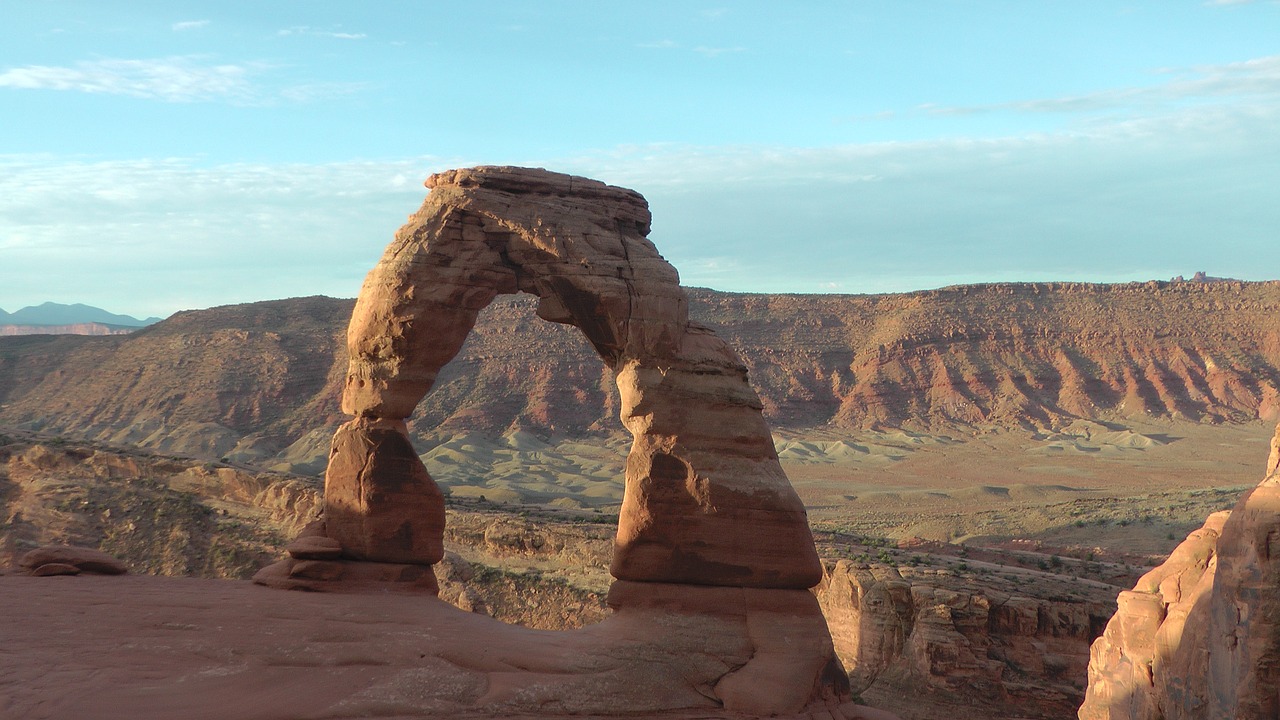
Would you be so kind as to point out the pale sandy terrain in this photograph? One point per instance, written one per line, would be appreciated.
(1139, 487)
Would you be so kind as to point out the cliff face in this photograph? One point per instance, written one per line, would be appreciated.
(256, 378)
(932, 634)
(1011, 355)
(1199, 636)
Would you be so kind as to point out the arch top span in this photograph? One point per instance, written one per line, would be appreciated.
(706, 501)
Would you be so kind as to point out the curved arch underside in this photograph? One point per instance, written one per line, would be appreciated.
(706, 501)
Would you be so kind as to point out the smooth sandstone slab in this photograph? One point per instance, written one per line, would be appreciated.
(117, 648)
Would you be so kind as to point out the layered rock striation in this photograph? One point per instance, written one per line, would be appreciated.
(1199, 636)
(956, 642)
(260, 383)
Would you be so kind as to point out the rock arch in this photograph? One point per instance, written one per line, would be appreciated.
(706, 501)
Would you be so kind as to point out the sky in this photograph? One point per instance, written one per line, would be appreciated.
(165, 155)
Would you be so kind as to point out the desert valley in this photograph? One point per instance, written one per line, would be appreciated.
(985, 468)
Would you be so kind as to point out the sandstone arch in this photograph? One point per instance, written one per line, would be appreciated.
(706, 501)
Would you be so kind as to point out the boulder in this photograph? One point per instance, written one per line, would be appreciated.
(83, 559)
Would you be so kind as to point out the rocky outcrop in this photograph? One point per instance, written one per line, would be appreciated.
(909, 630)
(70, 560)
(706, 500)
(161, 514)
(1199, 636)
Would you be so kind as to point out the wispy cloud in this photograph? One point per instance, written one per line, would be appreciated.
(180, 79)
(215, 234)
(189, 25)
(658, 44)
(1259, 77)
(1133, 199)
(172, 79)
(1130, 199)
(317, 32)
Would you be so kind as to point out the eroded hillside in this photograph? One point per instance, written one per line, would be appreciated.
(259, 382)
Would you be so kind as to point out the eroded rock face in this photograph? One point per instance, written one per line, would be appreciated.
(706, 501)
(1199, 636)
(897, 633)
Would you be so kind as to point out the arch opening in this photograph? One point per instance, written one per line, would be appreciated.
(579, 246)
(712, 546)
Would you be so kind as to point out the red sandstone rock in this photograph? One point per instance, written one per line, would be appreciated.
(51, 569)
(706, 501)
(379, 502)
(314, 547)
(1198, 638)
(84, 559)
(869, 611)
(224, 650)
(893, 633)
(348, 576)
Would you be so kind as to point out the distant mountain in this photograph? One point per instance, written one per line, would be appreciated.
(258, 378)
(52, 313)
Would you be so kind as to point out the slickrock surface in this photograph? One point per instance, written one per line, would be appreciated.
(128, 647)
(1199, 636)
(706, 500)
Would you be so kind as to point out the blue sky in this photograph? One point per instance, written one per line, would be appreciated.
(157, 156)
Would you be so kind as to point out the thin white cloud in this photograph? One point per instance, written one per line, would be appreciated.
(1258, 77)
(196, 236)
(657, 44)
(172, 79)
(189, 25)
(181, 79)
(1142, 198)
(1137, 199)
(317, 32)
